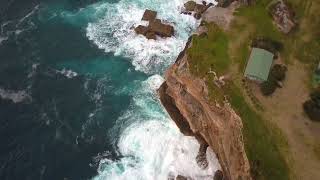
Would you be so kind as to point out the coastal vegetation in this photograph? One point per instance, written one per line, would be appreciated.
(223, 50)
(262, 140)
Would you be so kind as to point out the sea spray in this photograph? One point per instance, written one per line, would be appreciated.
(151, 145)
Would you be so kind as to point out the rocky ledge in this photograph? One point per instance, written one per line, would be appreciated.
(197, 10)
(155, 27)
(185, 98)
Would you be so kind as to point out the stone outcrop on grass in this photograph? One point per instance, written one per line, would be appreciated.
(283, 16)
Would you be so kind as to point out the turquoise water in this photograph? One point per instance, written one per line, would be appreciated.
(78, 92)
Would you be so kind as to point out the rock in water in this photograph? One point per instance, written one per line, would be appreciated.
(149, 15)
(218, 175)
(190, 5)
(179, 177)
(197, 16)
(200, 8)
(163, 30)
(151, 35)
(141, 30)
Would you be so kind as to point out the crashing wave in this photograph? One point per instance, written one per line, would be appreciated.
(150, 144)
(15, 96)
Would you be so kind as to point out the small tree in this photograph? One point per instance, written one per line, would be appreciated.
(312, 106)
(278, 72)
(268, 87)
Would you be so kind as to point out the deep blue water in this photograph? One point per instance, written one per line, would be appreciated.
(51, 136)
(77, 92)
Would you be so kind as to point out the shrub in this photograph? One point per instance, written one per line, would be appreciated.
(312, 106)
(268, 87)
(278, 72)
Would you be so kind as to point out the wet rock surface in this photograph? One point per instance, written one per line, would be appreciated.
(197, 10)
(155, 27)
(149, 15)
(218, 175)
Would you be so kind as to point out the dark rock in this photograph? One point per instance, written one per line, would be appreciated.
(200, 8)
(204, 3)
(179, 177)
(141, 30)
(149, 15)
(189, 13)
(201, 158)
(151, 35)
(197, 16)
(218, 175)
(190, 5)
(283, 17)
(163, 30)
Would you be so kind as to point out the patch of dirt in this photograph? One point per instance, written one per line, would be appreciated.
(221, 16)
(284, 108)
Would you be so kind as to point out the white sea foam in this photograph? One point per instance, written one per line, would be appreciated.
(68, 73)
(15, 96)
(151, 145)
(114, 32)
(3, 39)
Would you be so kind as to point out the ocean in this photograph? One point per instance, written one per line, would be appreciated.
(78, 92)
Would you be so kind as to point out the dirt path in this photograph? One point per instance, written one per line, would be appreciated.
(285, 109)
(221, 16)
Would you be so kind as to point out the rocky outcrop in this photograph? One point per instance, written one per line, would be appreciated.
(283, 16)
(218, 175)
(185, 97)
(155, 27)
(197, 10)
(149, 15)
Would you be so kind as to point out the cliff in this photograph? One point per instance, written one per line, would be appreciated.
(185, 97)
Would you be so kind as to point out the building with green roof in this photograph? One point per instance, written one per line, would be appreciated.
(259, 65)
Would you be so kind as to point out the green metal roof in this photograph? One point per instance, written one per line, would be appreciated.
(259, 64)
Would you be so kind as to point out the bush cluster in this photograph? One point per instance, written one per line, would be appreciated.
(312, 106)
(277, 74)
(267, 44)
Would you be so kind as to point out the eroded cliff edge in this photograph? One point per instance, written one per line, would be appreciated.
(185, 97)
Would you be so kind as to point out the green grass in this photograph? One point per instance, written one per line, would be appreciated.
(209, 51)
(265, 145)
(263, 141)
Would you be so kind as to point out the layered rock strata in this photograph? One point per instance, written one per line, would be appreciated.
(185, 97)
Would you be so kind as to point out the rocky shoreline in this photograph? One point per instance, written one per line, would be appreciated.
(185, 98)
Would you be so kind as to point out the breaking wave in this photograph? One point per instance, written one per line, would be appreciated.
(150, 144)
(114, 32)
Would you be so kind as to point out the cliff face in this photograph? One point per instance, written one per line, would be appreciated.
(185, 98)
